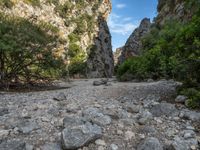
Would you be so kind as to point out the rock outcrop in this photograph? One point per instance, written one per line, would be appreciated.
(176, 9)
(133, 45)
(100, 62)
(77, 24)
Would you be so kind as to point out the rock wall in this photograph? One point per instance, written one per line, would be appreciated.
(133, 45)
(174, 9)
(79, 23)
(101, 60)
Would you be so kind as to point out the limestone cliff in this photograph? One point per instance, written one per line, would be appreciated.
(133, 45)
(174, 9)
(101, 61)
(79, 25)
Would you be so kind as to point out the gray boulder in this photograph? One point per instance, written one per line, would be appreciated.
(191, 115)
(60, 97)
(181, 144)
(51, 146)
(27, 126)
(164, 109)
(150, 143)
(100, 82)
(145, 117)
(3, 111)
(96, 116)
(80, 135)
(12, 145)
(181, 99)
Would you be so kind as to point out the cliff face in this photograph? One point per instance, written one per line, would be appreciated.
(173, 9)
(133, 45)
(101, 61)
(79, 25)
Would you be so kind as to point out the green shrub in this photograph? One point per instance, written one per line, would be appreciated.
(33, 2)
(6, 3)
(25, 51)
(194, 97)
(64, 9)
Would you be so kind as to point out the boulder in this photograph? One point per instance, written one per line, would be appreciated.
(150, 143)
(181, 99)
(145, 117)
(51, 146)
(164, 109)
(3, 111)
(12, 145)
(191, 115)
(96, 116)
(181, 144)
(80, 135)
(27, 127)
(60, 97)
(100, 82)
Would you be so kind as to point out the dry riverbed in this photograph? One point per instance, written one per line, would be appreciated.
(112, 116)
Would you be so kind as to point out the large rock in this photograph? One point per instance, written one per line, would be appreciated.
(51, 146)
(191, 115)
(165, 109)
(150, 144)
(181, 99)
(181, 144)
(100, 62)
(145, 116)
(12, 145)
(100, 82)
(60, 97)
(79, 133)
(96, 116)
(3, 111)
(27, 127)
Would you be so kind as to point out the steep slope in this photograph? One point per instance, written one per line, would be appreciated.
(133, 45)
(78, 26)
(174, 9)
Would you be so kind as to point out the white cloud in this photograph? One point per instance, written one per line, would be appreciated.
(120, 6)
(120, 26)
(127, 19)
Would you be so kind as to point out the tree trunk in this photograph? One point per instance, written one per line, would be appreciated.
(2, 67)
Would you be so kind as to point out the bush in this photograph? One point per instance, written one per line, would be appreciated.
(6, 3)
(25, 51)
(194, 97)
(33, 2)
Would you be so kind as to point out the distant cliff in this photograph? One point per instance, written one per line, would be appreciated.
(174, 9)
(180, 10)
(133, 45)
(83, 37)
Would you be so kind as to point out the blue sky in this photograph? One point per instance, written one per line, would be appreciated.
(126, 16)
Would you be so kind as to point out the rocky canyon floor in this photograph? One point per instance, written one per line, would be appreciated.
(114, 116)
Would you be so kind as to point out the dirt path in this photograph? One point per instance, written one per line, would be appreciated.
(126, 114)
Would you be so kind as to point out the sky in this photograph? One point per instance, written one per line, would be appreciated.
(126, 15)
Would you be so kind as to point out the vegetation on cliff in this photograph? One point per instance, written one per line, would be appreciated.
(170, 51)
(38, 46)
(26, 51)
